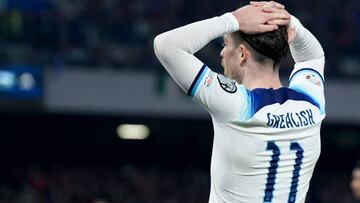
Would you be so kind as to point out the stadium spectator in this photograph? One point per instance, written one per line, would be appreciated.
(355, 182)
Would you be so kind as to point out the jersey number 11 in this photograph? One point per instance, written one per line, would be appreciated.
(275, 157)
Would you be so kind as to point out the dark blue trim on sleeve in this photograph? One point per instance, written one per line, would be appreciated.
(193, 85)
(310, 70)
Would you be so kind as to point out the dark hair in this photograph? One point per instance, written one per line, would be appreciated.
(273, 45)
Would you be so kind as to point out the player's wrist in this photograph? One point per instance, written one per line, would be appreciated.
(231, 23)
(294, 22)
(297, 28)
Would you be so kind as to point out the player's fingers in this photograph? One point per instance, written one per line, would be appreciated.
(267, 28)
(270, 9)
(257, 3)
(273, 10)
(276, 5)
(277, 15)
(267, 4)
(279, 22)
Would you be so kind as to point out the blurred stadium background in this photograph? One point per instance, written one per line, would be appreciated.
(73, 71)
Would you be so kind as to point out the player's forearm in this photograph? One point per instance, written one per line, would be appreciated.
(194, 36)
(305, 46)
(175, 48)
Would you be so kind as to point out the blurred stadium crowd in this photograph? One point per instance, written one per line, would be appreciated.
(119, 34)
(102, 184)
(134, 184)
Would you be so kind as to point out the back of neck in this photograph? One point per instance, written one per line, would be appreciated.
(261, 77)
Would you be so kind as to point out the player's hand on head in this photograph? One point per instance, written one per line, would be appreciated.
(274, 7)
(280, 16)
(254, 19)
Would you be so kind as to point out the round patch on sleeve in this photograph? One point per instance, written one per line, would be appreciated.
(227, 84)
(312, 78)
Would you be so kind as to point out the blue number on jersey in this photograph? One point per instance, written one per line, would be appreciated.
(270, 182)
(296, 173)
(275, 157)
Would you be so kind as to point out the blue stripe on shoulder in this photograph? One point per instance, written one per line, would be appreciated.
(197, 80)
(263, 97)
(307, 69)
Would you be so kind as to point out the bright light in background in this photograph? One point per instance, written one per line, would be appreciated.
(133, 132)
(7, 80)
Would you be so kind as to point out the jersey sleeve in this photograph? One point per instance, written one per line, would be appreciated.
(308, 73)
(175, 50)
(222, 97)
(308, 78)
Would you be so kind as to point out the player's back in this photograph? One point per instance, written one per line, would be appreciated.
(267, 153)
(266, 141)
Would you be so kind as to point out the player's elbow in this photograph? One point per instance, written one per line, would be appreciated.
(159, 46)
(320, 56)
(321, 53)
(156, 43)
(317, 50)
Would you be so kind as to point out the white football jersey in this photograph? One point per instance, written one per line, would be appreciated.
(266, 141)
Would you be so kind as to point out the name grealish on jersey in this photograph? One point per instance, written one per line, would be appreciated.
(291, 119)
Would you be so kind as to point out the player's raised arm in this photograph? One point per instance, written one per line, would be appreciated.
(306, 50)
(175, 48)
(303, 44)
(308, 73)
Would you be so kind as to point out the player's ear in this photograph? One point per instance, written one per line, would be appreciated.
(243, 53)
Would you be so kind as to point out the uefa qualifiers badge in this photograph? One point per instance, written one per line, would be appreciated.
(227, 84)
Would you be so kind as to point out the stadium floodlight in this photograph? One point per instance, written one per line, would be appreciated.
(133, 132)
